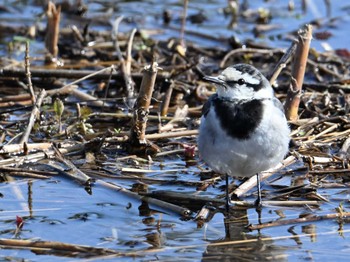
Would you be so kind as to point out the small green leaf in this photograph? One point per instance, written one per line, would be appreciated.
(85, 112)
(58, 107)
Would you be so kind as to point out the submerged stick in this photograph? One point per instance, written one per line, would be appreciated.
(24, 172)
(298, 72)
(28, 174)
(192, 198)
(174, 208)
(300, 220)
(71, 170)
(54, 246)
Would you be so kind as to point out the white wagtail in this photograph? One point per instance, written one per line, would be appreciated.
(243, 128)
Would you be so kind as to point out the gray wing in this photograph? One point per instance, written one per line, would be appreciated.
(278, 104)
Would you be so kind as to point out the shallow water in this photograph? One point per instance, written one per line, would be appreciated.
(62, 211)
(328, 22)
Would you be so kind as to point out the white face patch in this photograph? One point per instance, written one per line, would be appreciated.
(231, 74)
(243, 91)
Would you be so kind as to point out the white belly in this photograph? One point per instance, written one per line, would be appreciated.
(266, 147)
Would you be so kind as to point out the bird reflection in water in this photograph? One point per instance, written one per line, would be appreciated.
(241, 245)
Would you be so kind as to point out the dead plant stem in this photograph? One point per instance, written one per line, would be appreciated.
(298, 72)
(33, 116)
(28, 74)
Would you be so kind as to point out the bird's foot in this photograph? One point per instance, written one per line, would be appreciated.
(228, 197)
(258, 203)
(228, 204)
(258, 208)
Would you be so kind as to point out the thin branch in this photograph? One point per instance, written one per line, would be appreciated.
(33, 116)
(129, 83)
(247, 50)
(283, 62)
(67, 88)
(128, 53)
(28, 75)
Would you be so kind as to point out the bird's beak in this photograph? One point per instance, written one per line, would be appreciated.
(214, 80)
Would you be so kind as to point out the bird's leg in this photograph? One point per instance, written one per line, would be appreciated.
(227, 196)
(258, 202)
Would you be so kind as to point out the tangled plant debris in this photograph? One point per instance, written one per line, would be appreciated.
(106, 105)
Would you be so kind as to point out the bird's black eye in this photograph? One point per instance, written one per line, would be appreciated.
(241, 81)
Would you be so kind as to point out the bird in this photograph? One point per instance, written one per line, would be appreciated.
(243, 129)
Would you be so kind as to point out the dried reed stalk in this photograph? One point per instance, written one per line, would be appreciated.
(138, 141)
(166, 101)
(53, 28)
(298, 71)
